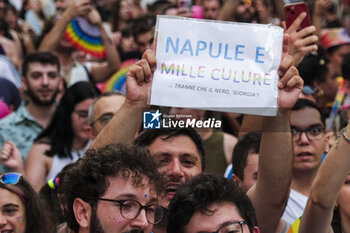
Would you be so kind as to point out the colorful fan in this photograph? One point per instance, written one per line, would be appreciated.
(295, 227)
(85, 36)
(118, 80)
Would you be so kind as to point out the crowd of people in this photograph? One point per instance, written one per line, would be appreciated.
(75, 157)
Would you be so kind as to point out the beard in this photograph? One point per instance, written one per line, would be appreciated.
(243, 18)
(36, 100)
(95, 225)
(133, 231)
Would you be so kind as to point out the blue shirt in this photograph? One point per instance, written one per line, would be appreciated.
(20, 128)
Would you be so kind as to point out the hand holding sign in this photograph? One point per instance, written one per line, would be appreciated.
(139, 78)
(217, 66)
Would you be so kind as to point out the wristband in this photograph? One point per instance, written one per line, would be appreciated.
(341, 133)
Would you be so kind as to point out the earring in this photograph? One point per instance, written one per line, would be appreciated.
(319, 93)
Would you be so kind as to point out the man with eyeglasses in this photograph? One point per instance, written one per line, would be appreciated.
(181, 158)
(309, 143)
(102, 110)
(211, 204)
(113, 189)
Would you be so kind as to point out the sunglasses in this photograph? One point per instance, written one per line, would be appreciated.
(10, 178)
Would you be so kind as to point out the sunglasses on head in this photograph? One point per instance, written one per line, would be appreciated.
(10, 178)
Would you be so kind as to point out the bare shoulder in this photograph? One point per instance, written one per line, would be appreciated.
(38, 151)
(229, 143)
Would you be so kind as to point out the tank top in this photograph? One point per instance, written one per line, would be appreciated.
(59, 163)
(215, 160)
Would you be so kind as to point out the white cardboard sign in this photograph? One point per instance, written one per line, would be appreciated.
(216, 65)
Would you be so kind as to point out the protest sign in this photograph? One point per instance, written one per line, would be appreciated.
(216, 65)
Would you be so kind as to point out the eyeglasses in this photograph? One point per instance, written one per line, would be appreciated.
(130, 209)
(314, 132)
(10, 178)
(230, 227)
(103, 119)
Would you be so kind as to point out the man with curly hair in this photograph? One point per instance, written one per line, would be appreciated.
(113, 189)
(210, 203)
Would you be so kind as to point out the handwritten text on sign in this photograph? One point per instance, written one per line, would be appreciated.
(217, 65)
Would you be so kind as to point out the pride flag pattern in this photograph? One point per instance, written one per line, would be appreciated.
(85, 37)
(295, 227)
(118, 79)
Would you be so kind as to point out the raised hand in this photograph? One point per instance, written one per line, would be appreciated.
(139, 78)
(11, 157)
(94, 17)
(303, 41)
(78, 8)
(290, 84)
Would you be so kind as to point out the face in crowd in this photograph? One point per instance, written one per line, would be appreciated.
(179, 159)
(12, 212)
(343, 198)
(103, 111)
(80, 119)
(117, 209)
(250, 172)
(244, 12)
(118, 191)
(211, 203)
(42, 83)
(226, 218)
(211, 9)
(144, 41)
(336, 57)
(309, 140)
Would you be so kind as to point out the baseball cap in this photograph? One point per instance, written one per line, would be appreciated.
(331, 37)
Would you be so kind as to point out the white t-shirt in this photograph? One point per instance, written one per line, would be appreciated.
(295, 206)
(79, 73)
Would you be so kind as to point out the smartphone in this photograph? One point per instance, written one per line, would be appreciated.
(292, 11)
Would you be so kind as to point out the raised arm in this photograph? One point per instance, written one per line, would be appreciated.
(330, 177)
(270, 194)
(52, 39)
(37, 165)
(303, 41)
(102, 71)
(127, 121)
(322, 12)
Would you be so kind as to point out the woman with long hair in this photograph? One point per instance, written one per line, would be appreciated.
(65, 139)
(20, 208)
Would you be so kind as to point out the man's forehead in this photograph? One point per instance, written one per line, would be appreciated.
(38, 66)
(172, 142)
(305, 117)
(211, 2)
(129, 182)
(114, 101)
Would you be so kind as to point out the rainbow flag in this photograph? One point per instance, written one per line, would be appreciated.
(337, 102)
